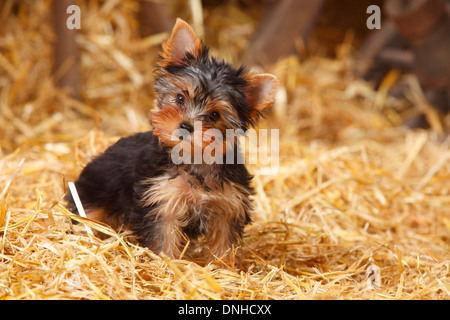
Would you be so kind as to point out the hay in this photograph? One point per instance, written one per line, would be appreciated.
(358, 210)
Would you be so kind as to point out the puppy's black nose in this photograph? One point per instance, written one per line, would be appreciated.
(187, 126)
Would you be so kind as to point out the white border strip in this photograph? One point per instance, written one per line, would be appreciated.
(76, 199)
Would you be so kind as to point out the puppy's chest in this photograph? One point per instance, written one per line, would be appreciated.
(182, 198)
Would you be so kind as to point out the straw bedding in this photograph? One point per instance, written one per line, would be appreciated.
(359, 208)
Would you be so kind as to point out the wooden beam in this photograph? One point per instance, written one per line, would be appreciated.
(154, 18)
(283, 23)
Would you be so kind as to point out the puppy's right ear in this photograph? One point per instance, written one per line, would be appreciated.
(260, 92)
(182, 41)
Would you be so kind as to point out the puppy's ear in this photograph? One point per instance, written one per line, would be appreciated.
(182, 40)
(260, 91)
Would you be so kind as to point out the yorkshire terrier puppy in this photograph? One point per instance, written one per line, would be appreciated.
(137, 184)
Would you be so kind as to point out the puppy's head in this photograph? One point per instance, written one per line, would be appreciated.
(197, 93)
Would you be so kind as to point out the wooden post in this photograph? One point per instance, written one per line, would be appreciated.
(283, 23)
(65, 48)
(154, 18)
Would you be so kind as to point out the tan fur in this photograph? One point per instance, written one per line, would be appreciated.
(230, 208)
(182, 40)
(261, 90)
(180, 198)
(165, 122)
(102, 216)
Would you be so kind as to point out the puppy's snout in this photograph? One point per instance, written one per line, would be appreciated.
(187, 126)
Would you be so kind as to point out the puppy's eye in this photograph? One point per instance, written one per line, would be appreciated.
(214, 116)
(179, 99)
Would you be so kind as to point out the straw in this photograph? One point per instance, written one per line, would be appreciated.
(78, 204)
(357, 210)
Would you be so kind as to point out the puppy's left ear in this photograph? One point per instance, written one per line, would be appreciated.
(260, 91)
(183, 40)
